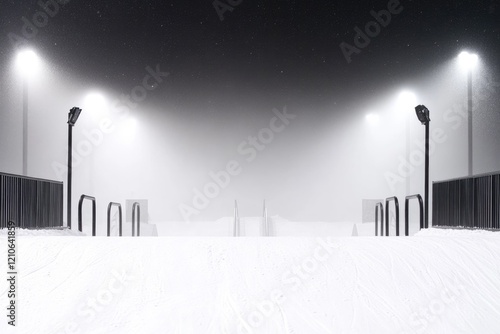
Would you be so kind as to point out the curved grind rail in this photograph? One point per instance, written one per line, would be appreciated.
(380, 206)
(119, 206)
(407, 213)
(267, 230)
(136, 208)
(80, 205)
(396, 202)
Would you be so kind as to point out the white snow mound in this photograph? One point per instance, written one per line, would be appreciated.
(439, 284)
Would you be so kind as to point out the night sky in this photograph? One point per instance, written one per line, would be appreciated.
(262, 55)
(286, 48)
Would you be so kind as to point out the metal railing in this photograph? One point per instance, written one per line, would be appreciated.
(407, 212)
(265, 220)
(396, 202)
(136, 208)
(471, 202)
(30, 202)
(236, 222)
(110, 206)
(381, 206)
(80, 205)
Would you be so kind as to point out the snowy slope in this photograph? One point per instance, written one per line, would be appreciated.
(430, 283)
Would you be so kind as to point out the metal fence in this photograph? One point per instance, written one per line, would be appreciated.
(30, 202)
(472, 202)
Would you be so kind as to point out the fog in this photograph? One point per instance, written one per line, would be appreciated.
(315, 160)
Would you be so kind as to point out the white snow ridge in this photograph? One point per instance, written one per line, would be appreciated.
(434, 282)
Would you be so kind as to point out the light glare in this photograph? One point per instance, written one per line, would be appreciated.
(467, 60)
(407, 99)
(372, 119)
(95, 101)
(27, 61)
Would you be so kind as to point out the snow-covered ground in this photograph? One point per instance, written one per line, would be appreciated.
(438, 281)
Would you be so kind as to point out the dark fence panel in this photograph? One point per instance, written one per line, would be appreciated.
(467, 202)
(30, 202)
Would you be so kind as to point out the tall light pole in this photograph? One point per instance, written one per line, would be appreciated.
(424, 118)
(73, 115)
(468, 61)
(27, 61)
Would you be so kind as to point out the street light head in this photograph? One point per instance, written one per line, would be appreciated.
(423, 114)
(467, 60)
(27, 61)
(73, 115)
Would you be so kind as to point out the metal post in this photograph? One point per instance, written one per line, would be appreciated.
(236, 223)
(70, 169)
(396, 203)
(469, 91)
(80, 215)
(25, 126)
(136, 206)
(426, 175)
(119, 206)
(407, 215)
(265, 220)
(381, 206)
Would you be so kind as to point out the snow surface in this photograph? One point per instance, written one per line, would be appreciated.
(439, 281)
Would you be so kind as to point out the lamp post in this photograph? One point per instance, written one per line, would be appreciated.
(27, 61)
(468, 61)
(73, 115)
(424, 118)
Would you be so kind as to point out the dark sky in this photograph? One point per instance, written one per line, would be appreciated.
(288, 49)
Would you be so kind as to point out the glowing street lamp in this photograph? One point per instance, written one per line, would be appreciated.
(424, 118)
(73, 115)
(27, 62)
(468, 61)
